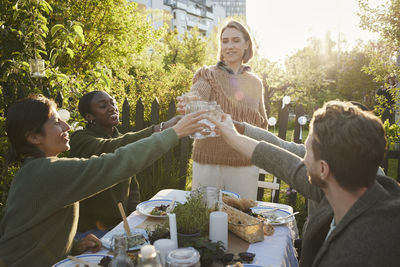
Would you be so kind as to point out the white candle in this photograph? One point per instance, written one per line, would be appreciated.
(219, 227)
(172, 228)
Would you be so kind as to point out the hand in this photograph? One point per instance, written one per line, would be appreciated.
(225, 127)
(88, 242)
(171, 122)
(181, 105)
(190, 124)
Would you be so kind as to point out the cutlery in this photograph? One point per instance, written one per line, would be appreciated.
(171, 206)
(126, 225)
(268, 211)
(75, 259)
(287, 217)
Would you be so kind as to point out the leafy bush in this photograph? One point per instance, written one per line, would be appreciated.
(392, 132)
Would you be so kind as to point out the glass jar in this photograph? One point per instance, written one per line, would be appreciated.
(120, 247)
(211, 197)
(183, 257)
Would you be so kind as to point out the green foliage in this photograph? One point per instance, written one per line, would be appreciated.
(191, 216)
(384, 20)
(319, 73)
(392, 132)
(159, 231)
(209, 251)
(93, 45)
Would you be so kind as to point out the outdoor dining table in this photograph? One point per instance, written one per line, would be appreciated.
(275, 250)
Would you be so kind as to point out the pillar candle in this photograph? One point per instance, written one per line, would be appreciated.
(172, 228)
(219, 227)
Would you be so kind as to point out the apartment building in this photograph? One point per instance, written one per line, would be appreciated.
(233, 7)
(187, 14)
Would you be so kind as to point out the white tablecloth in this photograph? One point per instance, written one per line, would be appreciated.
(275, 250)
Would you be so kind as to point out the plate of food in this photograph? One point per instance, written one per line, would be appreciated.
(136, 241)
(272, 215)
(156, 208)
(230, 193)
(99, 259)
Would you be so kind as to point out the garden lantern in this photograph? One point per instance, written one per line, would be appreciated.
(36, 67)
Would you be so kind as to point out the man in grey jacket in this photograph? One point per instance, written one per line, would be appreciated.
(357, 220)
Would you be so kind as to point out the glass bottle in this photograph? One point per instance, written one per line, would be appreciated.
(121, 259)
(148, 257)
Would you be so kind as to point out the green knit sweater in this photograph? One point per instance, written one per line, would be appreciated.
(41, 212)
(103, 207)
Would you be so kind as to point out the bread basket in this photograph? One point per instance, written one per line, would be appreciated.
(243, 225)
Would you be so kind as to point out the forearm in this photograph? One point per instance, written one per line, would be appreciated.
(98, 173)
(85, 145)
(287, 167)
(264, 135)
(242, 144)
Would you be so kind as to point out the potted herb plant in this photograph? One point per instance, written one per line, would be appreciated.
(191, 218)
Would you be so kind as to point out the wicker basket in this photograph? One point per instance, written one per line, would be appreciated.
(243, 225)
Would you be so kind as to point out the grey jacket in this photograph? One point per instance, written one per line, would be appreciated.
(368, 234)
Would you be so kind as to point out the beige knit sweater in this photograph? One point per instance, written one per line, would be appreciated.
(241, 96)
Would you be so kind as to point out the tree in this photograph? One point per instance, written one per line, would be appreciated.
(88, 45)
(273, 78)
(384, 65)
(307, 70)
(353, 83)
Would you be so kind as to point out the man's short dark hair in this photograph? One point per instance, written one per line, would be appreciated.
(351, 141)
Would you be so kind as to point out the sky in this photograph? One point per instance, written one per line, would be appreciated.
(281, 27)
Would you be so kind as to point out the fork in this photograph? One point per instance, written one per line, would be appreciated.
(268, 211)
(287, 217)
(171, 206)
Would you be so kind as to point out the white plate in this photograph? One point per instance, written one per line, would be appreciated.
(277, 213)
(247, 265)
(92, 258)
(106, 240)
(230, 193)
(147, 206)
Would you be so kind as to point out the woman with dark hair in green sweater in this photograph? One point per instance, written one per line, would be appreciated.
(41, 214)
(99, 213)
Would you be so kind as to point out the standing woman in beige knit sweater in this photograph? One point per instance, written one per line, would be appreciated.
(239, 92)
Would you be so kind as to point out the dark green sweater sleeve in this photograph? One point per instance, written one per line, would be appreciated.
(58, 182)
(286, 166)
(84, 144)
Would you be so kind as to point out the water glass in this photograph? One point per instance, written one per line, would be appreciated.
(164, 247)
(190, 96)
(214, 110)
